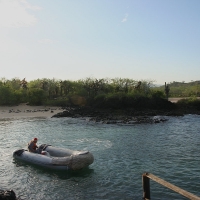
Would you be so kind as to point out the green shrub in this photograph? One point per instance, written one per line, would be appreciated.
(99, 100)
(8, 96)
(58, 102)
(157, 94)
(36, 96)
(192, 102)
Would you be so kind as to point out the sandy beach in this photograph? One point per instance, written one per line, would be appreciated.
(24, 110)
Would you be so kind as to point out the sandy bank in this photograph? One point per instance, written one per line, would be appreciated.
(24, 110)
(175, 100)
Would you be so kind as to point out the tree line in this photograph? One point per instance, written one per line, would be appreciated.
(108, 93)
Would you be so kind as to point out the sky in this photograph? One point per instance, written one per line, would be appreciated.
(149, 40)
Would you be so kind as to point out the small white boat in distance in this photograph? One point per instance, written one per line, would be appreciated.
(56, 158)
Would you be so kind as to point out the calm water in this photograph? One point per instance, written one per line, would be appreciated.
(122, 154)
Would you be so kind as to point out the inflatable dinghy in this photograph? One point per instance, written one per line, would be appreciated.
(56, 158)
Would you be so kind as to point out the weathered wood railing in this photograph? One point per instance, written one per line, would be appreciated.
(146, 187)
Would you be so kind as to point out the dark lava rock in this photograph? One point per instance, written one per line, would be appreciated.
(111, 116)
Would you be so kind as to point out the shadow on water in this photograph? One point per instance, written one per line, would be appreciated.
(61, 174)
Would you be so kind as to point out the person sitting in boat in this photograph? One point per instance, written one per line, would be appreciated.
(32, 146)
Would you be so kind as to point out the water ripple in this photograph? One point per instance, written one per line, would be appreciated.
(169, 150)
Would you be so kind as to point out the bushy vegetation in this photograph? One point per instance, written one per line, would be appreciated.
(191, 103)
(103, 93)
(8, 96)
(182, 89)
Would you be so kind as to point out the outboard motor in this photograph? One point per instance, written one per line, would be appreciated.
(42, 147)
(18, 152)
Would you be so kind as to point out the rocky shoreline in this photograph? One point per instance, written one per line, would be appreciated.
(24, 110)
(119, 116)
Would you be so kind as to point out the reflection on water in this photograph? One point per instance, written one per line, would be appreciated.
(169, 150)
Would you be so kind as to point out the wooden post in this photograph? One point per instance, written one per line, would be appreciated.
(146, 186)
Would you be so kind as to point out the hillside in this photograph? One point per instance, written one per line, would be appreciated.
(182, 89)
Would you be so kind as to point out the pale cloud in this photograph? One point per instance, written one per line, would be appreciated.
(29, 6)
(125, 18)
(14, 13)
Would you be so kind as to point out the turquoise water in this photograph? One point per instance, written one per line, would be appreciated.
(122, 154)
